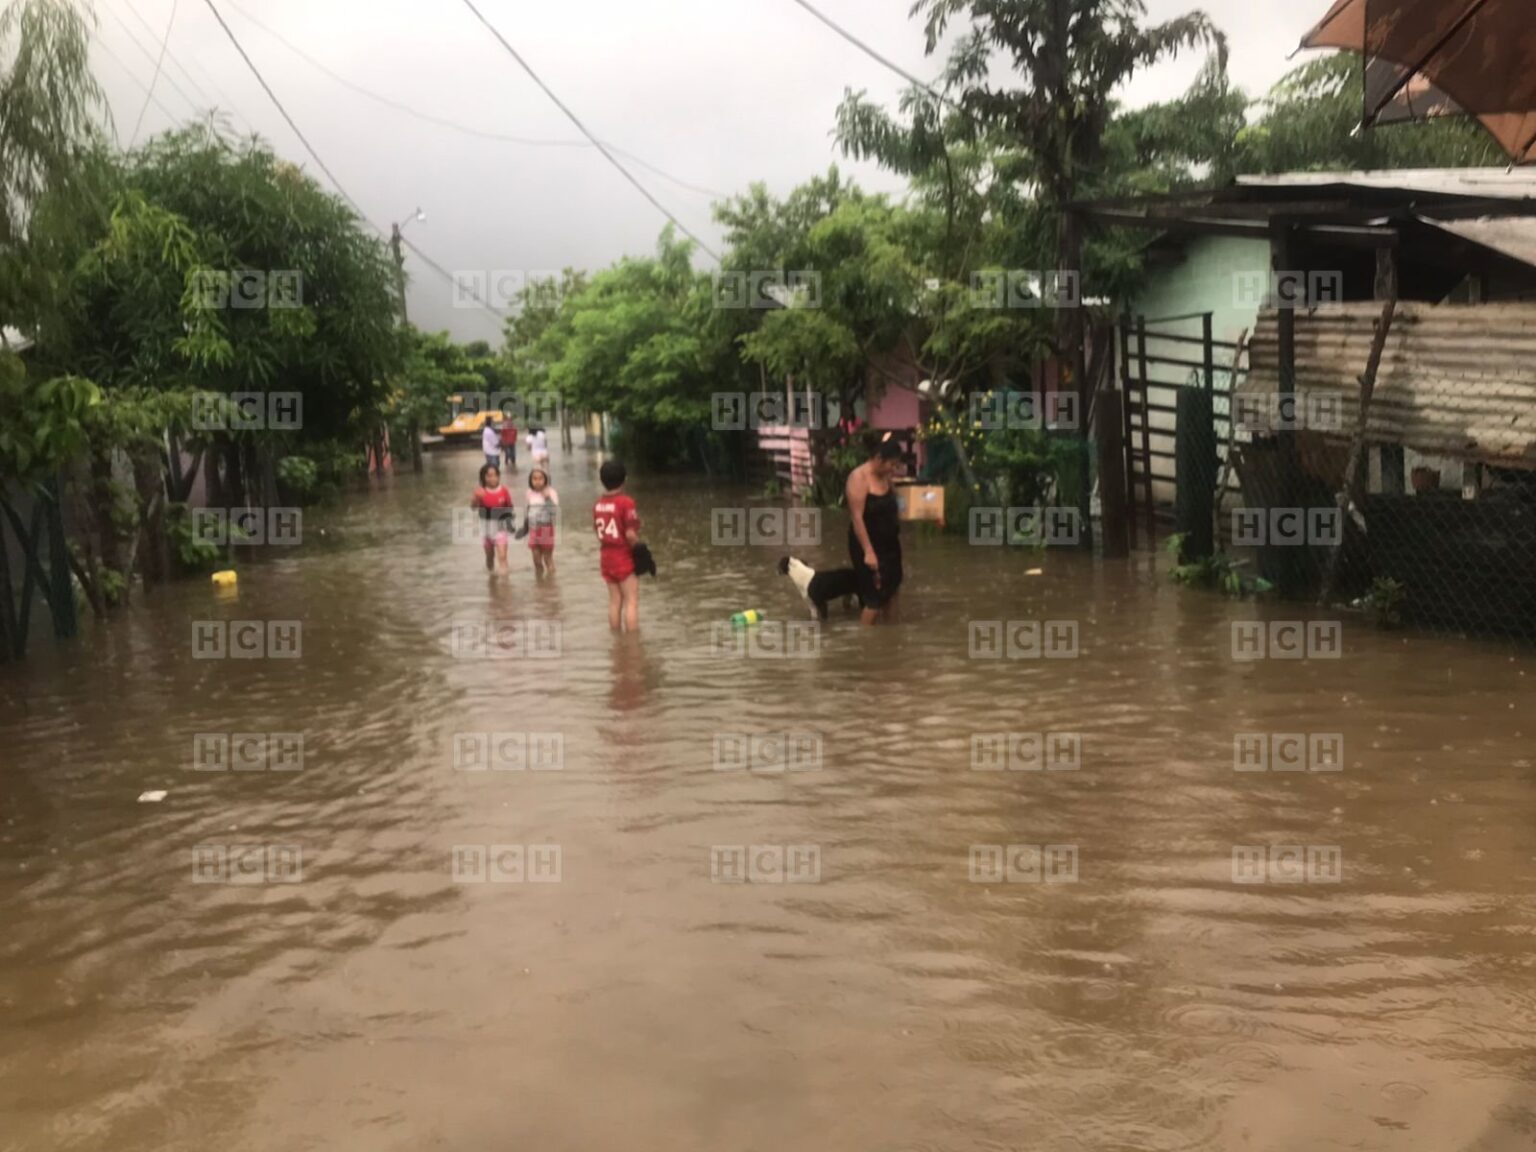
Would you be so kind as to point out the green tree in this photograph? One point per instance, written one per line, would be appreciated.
(1309, 122)
(1064, 60)
(435, 368)
(48, 101)
(636, 342)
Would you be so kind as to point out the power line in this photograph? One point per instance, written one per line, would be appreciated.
(455, 125)
(868, 51)
(209, 101)
(308, 147)
(134, 80)
(150, 56)
(143, 23)
(165, 43)
(598, 144)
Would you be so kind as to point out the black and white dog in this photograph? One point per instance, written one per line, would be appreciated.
(820, 588)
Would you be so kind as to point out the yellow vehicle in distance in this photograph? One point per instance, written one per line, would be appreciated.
(466, 418)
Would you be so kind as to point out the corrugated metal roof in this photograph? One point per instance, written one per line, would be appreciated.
(1479, 183)
(1455, 380)
(1512, 236)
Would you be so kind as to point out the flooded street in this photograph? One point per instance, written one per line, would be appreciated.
(884, 1001)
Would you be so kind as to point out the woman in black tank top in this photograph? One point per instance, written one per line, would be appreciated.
(874, 533)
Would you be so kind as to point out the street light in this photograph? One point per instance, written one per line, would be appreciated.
(394, 243)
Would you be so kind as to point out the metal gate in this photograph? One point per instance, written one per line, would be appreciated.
(1157, 357)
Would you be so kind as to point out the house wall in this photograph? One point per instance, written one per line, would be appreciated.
(1223, 275)
(891, 400)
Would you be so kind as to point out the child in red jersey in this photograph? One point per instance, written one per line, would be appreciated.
(496, 515)
(618, 530)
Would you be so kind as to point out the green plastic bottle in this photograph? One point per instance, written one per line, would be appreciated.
(750, 616)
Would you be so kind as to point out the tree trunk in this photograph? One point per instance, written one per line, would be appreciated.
(104, 504)
(415, 435)
(213, 479)
(93, 521)
(61, 592)
(13, 645)
(234, 477)
(153, 553)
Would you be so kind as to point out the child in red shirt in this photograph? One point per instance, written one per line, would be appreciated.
(496, 514)
(618, 530)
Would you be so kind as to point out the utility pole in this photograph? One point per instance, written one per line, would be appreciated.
(397, 245)
(394, 243)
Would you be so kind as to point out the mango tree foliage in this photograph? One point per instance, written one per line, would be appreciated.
(635, 342)
(434, 369)
(324, 325)
(1310, 118)
(48, 102)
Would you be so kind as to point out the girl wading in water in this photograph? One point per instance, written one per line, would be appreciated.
(874, 540)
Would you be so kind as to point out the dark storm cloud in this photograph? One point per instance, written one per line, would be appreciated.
(717, 94)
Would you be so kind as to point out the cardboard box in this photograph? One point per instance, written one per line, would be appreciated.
(920, 502)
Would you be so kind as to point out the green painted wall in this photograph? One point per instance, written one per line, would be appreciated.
(1223, 275)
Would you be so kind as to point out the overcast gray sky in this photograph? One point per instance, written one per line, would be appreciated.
(718, 93)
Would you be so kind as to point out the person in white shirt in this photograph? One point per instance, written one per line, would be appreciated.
(490, 444)
(538, 444)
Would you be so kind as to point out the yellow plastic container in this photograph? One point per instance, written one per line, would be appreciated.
(225, 579)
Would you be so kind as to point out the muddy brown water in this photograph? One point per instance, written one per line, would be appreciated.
(890, 997)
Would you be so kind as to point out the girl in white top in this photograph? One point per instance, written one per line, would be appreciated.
(538, 444)
(543, 511)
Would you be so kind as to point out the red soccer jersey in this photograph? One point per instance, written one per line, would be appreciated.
(613, 518)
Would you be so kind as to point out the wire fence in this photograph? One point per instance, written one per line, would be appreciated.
(1421, 514)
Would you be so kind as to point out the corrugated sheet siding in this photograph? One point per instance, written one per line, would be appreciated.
(1455, 380)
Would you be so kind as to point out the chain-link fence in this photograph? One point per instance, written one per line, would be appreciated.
(1437, 527)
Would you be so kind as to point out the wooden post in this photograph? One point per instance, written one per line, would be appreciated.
(1352, 495)
(1281, 249)
(1109, 418)
(1207, 340)
(1394, 469)
(1073, 360)
(1146, 431)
